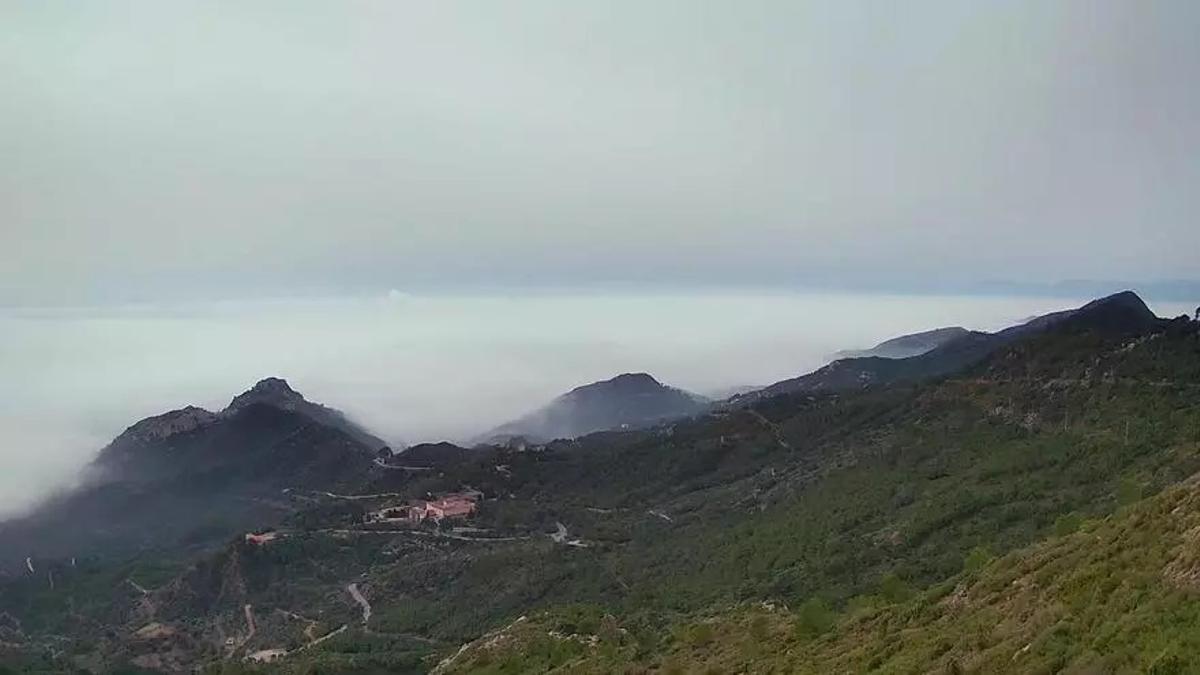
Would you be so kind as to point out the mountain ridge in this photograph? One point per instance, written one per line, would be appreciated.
(628, 400)
(904, 346)
(1121, 312)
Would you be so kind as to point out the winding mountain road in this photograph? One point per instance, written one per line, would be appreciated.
(249, 611)
(400, 467)
(352, 589)
(662, 515)
(775, 430)
(374, 496)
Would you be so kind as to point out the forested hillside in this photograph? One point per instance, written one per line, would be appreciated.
(802, 531)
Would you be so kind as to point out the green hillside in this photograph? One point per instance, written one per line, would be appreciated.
(1117, 594)
(803, 531)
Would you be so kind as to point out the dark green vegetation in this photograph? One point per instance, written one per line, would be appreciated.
(1118, 595)
(892, 527)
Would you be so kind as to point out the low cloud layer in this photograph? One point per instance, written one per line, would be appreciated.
(415, 368)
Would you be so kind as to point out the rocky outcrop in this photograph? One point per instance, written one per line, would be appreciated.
(167, 424)
(277, 393)
(273, 391)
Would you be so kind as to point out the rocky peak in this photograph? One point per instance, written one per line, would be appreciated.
(274, 386)
(273, 391)
(630, 400)
(277, 393)
(626, 383)
(168, 424)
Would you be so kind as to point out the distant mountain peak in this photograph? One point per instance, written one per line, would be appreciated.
(273, 384)
(635, 377)
(1124, 311)
(625, 382)
(270, 403)
(1128, 300)
(629, 400)
(276, 392)
(270, 390)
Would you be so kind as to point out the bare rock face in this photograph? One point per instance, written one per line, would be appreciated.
(272, 391)
(149, 433)
(168, 424)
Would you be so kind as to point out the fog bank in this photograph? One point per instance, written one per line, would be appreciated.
(417, 368)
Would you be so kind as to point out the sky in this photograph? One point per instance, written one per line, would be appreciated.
(185, 150)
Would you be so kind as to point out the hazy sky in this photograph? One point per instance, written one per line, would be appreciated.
(157, 149)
